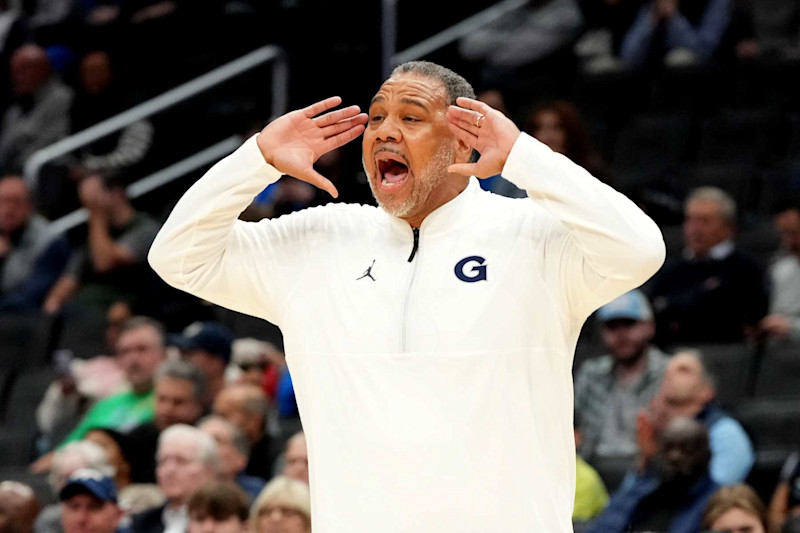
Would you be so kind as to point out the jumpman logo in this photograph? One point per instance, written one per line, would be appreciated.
(368, 272)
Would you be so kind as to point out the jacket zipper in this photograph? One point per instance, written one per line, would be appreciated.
(414, 252)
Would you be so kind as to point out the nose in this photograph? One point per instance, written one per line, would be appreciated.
(388, 130)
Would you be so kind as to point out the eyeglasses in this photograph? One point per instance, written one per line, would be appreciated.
(247, 367)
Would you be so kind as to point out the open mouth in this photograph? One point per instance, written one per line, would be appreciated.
(393, 171)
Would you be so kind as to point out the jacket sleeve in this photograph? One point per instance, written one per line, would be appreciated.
(597, 244)
(205, 250)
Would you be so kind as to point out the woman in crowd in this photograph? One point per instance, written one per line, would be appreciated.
(284, 506)
(736, 508)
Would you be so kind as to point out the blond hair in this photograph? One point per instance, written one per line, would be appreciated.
(739, 496)
(284, 491)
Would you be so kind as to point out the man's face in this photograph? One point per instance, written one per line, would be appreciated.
(175, 403)
(15, 513)
(407, 146)
(206, 524)
(15, 204)
(84, 513)
(95, 72)
(683, 391)
(231, 460)
(682, 455)
(704, 227)
(211, 365)
(230, 405)
(30, 69)
(296, 460)
(550, 131)
(788, 223)
(626, 338)
(139, 352)
(180, 470)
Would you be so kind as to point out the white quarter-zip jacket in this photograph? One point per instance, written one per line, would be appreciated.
(433, 381)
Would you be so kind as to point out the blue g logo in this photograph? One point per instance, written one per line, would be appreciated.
(476, 273)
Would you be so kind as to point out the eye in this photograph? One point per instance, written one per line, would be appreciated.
(376, 118)
(410, 119)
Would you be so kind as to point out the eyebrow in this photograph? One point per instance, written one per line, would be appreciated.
(406, 100)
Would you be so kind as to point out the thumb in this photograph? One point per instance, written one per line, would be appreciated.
(318, 180)
(465, 169)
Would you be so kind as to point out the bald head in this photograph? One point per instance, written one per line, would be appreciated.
(245, 406)
(30, 69)
(684, 449)
(18, 508)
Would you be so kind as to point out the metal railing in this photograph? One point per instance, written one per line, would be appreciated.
(391, 58)
(270, 53)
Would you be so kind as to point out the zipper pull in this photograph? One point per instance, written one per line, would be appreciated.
(416, 245)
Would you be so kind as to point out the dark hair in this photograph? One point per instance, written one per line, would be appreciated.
(185, 371)
(220, 501)
(786, 203)
(136, 322)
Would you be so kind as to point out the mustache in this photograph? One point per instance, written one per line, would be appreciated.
(391, 151)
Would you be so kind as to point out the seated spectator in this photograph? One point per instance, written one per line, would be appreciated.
(591, 496)
(672, 495)
(39, 114)
(288, 412)
(187, 459)
(18, 507)
(66, 461)
(713, 293)
(607, 22)
(737, 509)
(246, 406)
(180, 391)
(89, 503)
(296, 458)
(611, 389)
(207, 345)
(112, 264)
(117, 449)
(257, 363)
(676, 32)
(284, 506)
(774, 32)
(688, 390)
(784, 310)
(24, 235)
(218, 508)
(784, 507)
(234, 453)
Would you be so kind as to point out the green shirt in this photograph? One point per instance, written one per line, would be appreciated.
(122, 412)
(590, 493)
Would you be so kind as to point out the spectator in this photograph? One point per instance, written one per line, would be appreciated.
(112, 264)
(784, 506)
(591, 496)
(207, 345)
(66, 461)
(688, 390)
(784, 312)
(180, 390)
(24, 235)
(671, 496)
(18, 507)
(246, 406)
(284, 506)
(39, 115)
(610, 390)
(48, 267)
(296, 458)
(116, 447)
(187, 459)
(258, 363)
(89, 503)
(737, 509)
(775, 31)
(218, 508)
(677, 32)
(234, 453)
(713, 293)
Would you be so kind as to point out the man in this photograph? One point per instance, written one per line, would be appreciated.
(713, 293)
(207, 345)
(39, 115)
(111, 264)
(296, 458)
(219, 508)
(18, 507)
(89, 503)
(670, 497)
(246, 407)
(784, 310)
(187, 460)
(234, 452)
(610, 390)
(688, 390)
(472, 308)
(180, 390)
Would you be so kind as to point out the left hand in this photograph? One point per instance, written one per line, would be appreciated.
(492, 136)
(93, 194)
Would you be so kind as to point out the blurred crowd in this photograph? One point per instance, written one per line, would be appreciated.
(180, 424)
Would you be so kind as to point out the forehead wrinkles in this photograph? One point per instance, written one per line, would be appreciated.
(429, 90)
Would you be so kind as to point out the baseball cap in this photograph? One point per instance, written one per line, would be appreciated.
(211, 337)
(90, 481)
(632, 305)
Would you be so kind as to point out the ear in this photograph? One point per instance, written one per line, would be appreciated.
(462, 153)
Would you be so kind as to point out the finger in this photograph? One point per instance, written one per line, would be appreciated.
(337, 116)
(475, 105)
(469, 138)
(322, 105)
(344, 125)
(467, 115)
(318, 180)
(463, 124)
(332, 143)
(465, 169)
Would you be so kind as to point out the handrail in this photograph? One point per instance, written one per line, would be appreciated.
(453, 33)
(280, 80)
(157, 179)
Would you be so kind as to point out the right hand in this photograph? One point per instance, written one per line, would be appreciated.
(293, 142)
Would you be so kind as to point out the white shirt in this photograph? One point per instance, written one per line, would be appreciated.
(436, 394)
(176, 520)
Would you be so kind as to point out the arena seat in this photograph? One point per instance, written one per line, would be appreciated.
(779, 371)
(731, 366)
(773, 424)
(25, 339)
(652, 141)
(738, 135)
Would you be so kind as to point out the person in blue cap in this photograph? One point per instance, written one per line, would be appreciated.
(207, 345)
(89, 504)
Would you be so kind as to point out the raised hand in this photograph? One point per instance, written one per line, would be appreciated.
(293, 142)
(492, 136)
